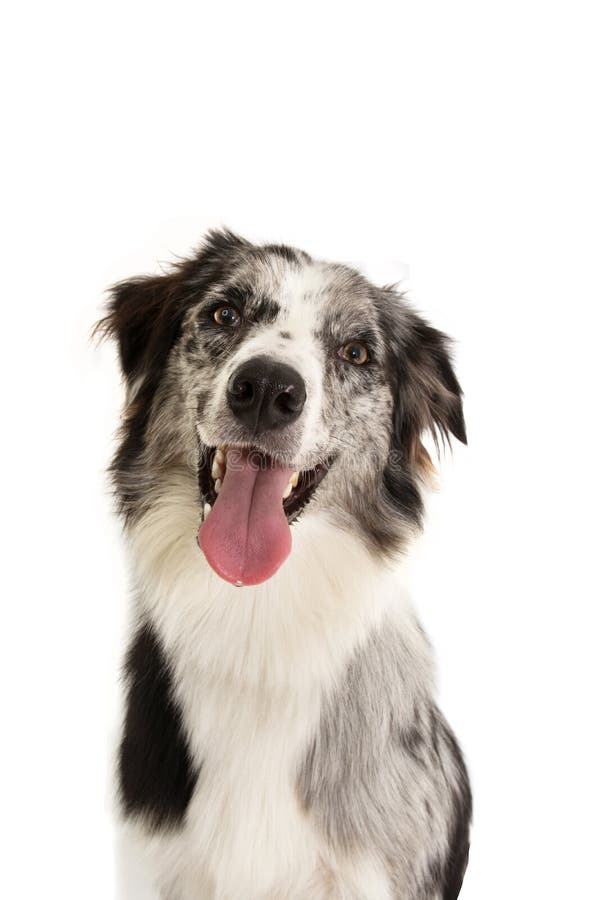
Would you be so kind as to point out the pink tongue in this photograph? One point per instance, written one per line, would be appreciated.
(246, 536)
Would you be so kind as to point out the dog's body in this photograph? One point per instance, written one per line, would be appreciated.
(281, 739)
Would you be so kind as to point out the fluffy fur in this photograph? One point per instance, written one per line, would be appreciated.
(282, 741)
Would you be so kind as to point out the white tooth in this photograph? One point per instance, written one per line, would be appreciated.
(207, 509)
(287, 491)
(220, 455)
(294, 479)
(217, 470)
(218, 484)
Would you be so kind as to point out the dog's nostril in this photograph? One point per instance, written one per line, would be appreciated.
(243, 391)
(288, 401)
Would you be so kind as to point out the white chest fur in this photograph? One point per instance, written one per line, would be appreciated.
(251, 666)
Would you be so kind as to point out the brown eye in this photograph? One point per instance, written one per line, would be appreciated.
(354, 353)
(226, 315)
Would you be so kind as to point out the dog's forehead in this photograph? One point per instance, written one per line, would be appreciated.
(310, 293)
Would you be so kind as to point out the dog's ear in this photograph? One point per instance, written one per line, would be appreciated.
(145, 314)
(430, 397)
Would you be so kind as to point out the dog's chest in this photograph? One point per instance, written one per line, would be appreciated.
(245, 824)
(250, 673)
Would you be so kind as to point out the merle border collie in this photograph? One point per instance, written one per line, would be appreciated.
(281, 739)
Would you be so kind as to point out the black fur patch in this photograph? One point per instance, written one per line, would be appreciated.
(401, 492)
(458, 842)
(265, 310)
(446, 875)
(257, 307)
(156, 773)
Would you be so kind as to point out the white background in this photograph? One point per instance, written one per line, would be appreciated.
(458, 138)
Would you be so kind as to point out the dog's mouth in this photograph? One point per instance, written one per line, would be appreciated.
(249, 501)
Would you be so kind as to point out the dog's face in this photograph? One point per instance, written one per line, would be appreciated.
(300, 386)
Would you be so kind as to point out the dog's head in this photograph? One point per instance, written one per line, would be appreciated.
(292, 386)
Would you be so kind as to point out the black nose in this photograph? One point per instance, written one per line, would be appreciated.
(265, 395)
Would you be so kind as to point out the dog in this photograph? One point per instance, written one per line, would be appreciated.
(281, 740)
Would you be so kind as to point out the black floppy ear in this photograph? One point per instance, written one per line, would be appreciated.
(430, 395)
(144, 316)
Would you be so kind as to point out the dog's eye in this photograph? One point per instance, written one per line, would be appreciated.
(226, 315)
(355, 353)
